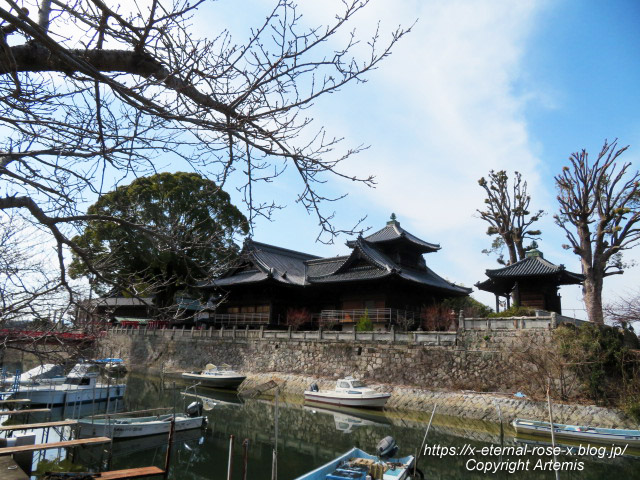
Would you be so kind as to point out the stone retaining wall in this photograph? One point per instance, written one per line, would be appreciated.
(478, 361)
(472, 405)
(418, 374)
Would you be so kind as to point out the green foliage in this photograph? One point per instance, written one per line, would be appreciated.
(631, 406)
(364, 323)
(513, 312)
(470, 306)
(601, 362)
(186, 228)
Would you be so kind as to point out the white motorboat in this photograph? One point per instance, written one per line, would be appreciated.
(220, 377)
(47, 374)
(127, 427)
(348, 392)
(79, 387)
(113, 366)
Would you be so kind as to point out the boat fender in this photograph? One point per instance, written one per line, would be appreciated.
(314, 387)
(387, 447)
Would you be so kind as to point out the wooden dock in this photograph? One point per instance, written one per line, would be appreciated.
(33, 426)
(26, 410)
(52, 445)
(9, 470)
(16, 400)
(129, 473)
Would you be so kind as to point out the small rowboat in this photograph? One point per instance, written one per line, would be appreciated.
(128, 427)
(576, 432)
(349, 392)
(359, 465)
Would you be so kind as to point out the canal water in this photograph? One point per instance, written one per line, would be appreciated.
(309, 436)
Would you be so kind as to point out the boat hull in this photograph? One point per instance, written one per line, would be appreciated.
(61, 396)
(398, 473)
(140, 429)
(377, 401)
(578, 433)
(231, 382)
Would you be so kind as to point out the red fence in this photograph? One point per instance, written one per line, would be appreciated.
(36, 335)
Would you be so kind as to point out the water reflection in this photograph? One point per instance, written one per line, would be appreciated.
(308, 436)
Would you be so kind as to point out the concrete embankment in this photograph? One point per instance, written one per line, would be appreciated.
(419, 374)
(472, 405)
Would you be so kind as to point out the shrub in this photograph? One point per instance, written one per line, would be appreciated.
(437, 317)
(513, 312)
(296, 317)
(364, 323)
(471, 308)
(605, 367)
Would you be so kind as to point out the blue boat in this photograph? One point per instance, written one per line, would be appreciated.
(357, 464)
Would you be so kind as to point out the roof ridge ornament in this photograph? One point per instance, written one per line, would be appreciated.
(393, 220)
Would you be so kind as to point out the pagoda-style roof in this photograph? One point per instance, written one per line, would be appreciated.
(366, 262)
(534, 266)
(370, 259)
(260, 262)
(393, 233)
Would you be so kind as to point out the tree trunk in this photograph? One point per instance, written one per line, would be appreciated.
(592, 295)
(511, 248)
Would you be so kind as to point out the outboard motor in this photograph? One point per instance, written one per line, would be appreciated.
(314, 387)
(387, 448)
(194, 409)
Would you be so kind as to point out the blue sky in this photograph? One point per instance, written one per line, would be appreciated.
(476, 86)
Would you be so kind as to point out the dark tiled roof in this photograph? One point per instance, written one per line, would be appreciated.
(366, 262)
(380, 266)
(324, 266)
(354, 274)
(533, 266)
(429, 277)
(502, 280)
(286, 266)
(393, 232)
(250, 276)
(281, 264)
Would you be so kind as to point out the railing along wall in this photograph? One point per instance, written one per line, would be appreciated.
(419, 337)
(516, 323)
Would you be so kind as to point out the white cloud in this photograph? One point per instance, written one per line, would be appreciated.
(440, 113)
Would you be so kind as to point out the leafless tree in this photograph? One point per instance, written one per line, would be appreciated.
(624, 310)
(599, 213)
(507, 213)
(31, 298)
(92, 93)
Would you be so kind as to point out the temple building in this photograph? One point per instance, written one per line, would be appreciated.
(384, 278)
(533, 282)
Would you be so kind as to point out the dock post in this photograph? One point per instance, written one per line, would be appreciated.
(245, 459)
(230, 464)
(24, 459)
(167, 459)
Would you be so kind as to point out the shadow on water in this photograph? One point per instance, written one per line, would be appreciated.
(309, 436)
